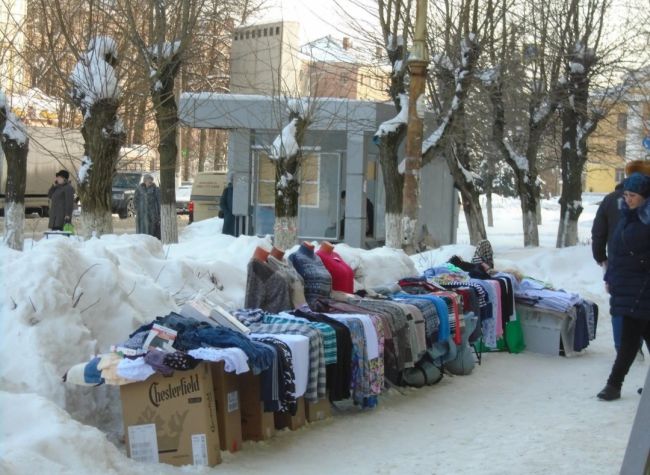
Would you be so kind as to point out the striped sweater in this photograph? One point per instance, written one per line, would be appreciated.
(318, 281)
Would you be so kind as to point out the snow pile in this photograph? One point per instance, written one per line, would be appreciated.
(93, 78)
(285, 144)
(377, 267)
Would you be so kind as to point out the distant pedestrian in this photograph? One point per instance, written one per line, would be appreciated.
(628, 278)
(225, 205)
(147, 207)
(61, 196)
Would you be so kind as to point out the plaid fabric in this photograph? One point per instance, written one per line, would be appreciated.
(317, 378)
(249, 316)
(484, 254)
(328, 334)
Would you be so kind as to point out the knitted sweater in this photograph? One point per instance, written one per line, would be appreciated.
(342, 274)
(318, 282)
(296, 284)
(266, 289)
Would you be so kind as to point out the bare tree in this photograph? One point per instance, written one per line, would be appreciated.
(15, 145)
(587, 56)
(528, 83)
(162, 47)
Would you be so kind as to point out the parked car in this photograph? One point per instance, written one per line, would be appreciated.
(124, 186)
(206, 193)
(183, 193)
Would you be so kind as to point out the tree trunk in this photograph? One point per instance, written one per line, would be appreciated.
(103, 137)
(571, 194)
(528, 201)
(285, 228)
(166, 119)
(473, 214)
(539, 210)
(488, 205)
(185, 152)
(525, 178)
(202, 143)
(139, 122)
(393, 186)
(216, 158)
(16, 156)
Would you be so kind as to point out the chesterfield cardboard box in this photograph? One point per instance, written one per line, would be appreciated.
(172, 419)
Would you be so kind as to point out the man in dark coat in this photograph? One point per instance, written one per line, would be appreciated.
(602, 230)
(225, 204)
(61, 196)
(628, 277)
(147, 207)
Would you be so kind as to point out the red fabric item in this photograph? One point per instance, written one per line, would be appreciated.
(342, 274)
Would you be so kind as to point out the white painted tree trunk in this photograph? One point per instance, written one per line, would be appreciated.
(408, 234)
(285, 231)
(393, 224)
(531, 232)
(168, 224)
(14, 225)
(95, 223)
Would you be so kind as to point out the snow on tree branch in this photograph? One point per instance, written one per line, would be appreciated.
(165, 49)
(14, 130)
(285, 144)
(86, 165)
(390, 126)
(519, 160)
(93, 78)
(469, 54)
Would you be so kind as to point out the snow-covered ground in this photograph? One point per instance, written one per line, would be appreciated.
(63, 300)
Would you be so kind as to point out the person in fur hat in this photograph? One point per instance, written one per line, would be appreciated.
(628, 278)
(602, 230)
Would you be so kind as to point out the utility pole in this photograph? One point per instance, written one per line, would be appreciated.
(417, 64)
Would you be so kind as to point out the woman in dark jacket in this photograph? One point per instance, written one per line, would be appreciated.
(61, 196)
(147, 207)
(628, 278)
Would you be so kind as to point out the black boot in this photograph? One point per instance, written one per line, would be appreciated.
(609, 393)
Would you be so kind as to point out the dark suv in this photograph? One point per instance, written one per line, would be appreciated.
(124, 186)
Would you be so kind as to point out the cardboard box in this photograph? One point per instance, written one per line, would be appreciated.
(284, 419)
(255, 423)
(226, 391)
(318, 411)
(172, 419)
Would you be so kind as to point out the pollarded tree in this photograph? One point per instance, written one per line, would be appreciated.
(287, 156)
(15, 145)
(161, 49)
(96, 93)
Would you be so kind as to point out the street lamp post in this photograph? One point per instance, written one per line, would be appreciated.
(417, 64)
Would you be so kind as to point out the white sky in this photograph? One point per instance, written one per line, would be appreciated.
(318, 18)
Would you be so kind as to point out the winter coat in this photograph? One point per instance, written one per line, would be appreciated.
(61, 204)
(605, 222)
(226, 207)
(628, 268)
(147, 210)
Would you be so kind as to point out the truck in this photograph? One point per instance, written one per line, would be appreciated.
(50, 150)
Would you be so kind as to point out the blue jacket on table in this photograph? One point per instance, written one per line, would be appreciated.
(628, 270)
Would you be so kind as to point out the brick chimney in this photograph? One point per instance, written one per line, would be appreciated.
(347, 43)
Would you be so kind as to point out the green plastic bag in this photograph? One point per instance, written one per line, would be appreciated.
(68, 228)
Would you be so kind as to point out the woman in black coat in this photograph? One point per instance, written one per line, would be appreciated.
(628, 278)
